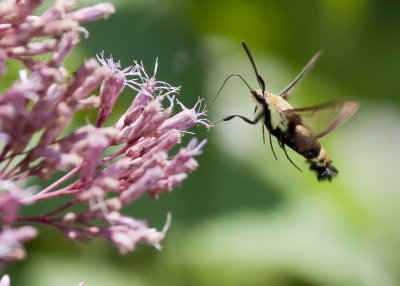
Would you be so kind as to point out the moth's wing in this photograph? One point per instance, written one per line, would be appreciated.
(286, 92)
(324, 118)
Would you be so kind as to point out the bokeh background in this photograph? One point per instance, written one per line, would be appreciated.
(243, 218)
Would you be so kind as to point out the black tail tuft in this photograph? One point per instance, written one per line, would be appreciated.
(327, 172)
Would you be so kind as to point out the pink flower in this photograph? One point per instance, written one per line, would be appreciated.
(11, 242)
(126, 232)
(12, 198)
(186, 118)
(106, 168)
(5, 280)
(112, 87)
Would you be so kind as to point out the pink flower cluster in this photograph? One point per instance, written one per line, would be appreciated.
(5, 281)
(105, 168)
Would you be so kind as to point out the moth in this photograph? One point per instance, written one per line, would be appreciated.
(296, 128)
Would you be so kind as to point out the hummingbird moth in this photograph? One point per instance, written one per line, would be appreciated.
(296, 128)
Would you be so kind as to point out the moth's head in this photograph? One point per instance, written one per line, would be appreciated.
(257, 96)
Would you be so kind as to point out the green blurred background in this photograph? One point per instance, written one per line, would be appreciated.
(243, 218)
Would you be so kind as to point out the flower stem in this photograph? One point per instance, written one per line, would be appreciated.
(39, 196)
(60, 209)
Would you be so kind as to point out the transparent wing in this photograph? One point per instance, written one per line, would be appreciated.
(324, 118)
(286, 92)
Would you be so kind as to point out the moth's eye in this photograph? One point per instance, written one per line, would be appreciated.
(258, 96)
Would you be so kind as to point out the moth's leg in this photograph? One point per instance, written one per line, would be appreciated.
(263, 133)
(282, 145)
(280, 142)
(270, 143)
(256, 119)
(287, 156)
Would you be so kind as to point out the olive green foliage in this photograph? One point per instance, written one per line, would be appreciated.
(242, 218)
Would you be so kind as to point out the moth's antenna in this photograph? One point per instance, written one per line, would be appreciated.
(285, 93)
(259, 78)
(219, 91)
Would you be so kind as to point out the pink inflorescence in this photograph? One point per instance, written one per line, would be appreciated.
(105, 168)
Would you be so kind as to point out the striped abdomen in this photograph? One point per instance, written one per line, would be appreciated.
(300, 139)
(320, 162)
(293, 133)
